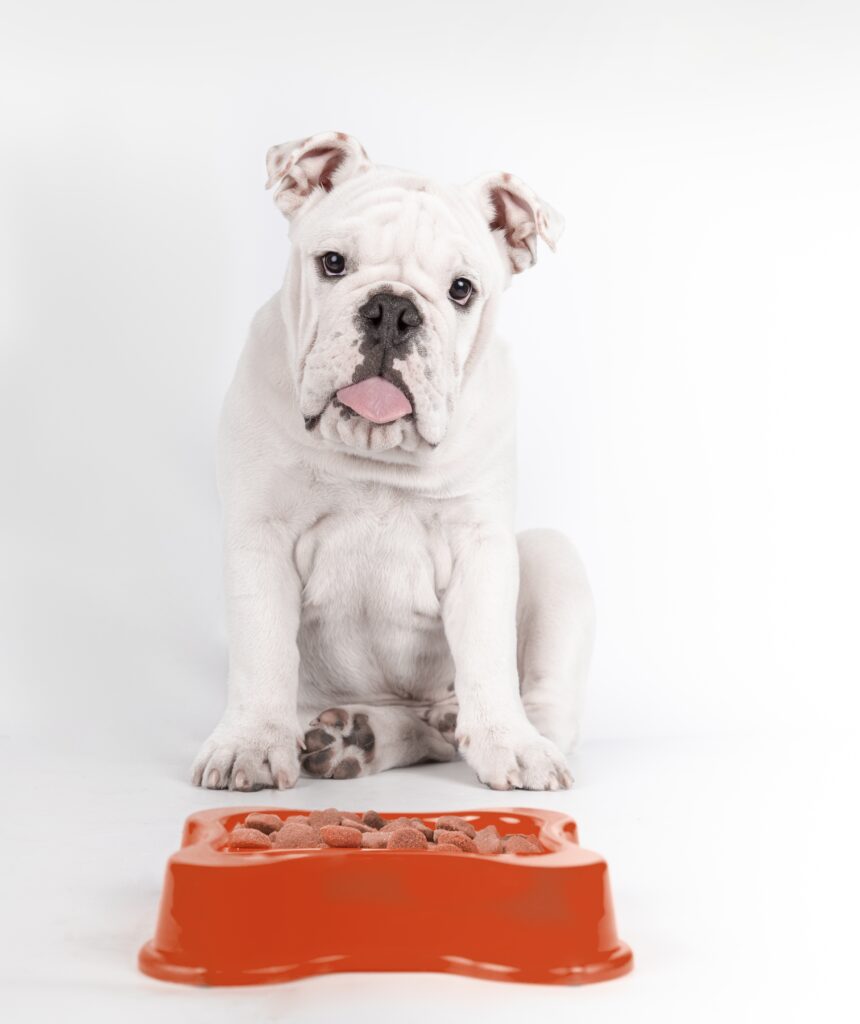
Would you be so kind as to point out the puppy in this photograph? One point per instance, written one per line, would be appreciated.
(381, 609)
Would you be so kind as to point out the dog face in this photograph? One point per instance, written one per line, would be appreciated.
(390, 293)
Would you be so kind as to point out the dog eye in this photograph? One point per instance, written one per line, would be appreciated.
(460, 290)
(333, 264)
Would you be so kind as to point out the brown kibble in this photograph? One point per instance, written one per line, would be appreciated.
(451, 837)
(451, 822)
(330, 827)
(296, 836)
(521, 844)
(373, 819)
(352, 823)
(267, 823)
(330, 816)
(371, 840)
(488, 840)
(406, 839)
(337, 835)
(422, 828)
(249, 839)
(401, 822)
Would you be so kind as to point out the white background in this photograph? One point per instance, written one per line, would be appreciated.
(688, 413)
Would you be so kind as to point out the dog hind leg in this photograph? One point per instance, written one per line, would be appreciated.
(359, 739)
(443, 717)
(555, 634)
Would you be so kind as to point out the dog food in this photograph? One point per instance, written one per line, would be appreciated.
(373, 819)
(374, 841)
(330, 816)
(521, 844)
(296, 836)
(339, 835)
(407, 839)
(336, 829)
(267, 823)
(392, 826)
(249, 839)
(450, 822)
(358, 825)
(425, 830)
(452, 837)
(488, 840)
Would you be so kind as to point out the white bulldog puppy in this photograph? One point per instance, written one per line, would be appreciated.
(382, 611)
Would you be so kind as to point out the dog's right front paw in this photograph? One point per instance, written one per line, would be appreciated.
(247, 758)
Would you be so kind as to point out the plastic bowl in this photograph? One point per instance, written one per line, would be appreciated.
(243, 917)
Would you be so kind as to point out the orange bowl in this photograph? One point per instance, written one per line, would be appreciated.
(242, 917)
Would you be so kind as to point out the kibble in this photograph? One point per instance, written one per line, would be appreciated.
(296, 836)
(521, 844)
(488, 840)
(374, 841)
(331, 828)
(330, 816)
(352, 823)
(452, 823)
(373, 819)
(407, 839)
(337, 835)
(249, 839)
(267, 823)
(453, 838)
(391, 826)
(425, 830)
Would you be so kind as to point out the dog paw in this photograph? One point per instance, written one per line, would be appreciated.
(340, 744)
(247, 758)
(518, 758)
(444, 720)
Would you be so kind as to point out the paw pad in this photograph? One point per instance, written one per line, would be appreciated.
(339, 744)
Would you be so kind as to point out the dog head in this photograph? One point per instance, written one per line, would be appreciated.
(391, 290)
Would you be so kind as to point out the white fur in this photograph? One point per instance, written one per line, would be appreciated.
(372, 566)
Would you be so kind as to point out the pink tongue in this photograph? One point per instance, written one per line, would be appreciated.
(376, 399)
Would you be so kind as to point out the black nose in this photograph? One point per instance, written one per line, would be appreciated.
(389, 319)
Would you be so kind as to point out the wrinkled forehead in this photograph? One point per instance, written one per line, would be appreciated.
(384, 217)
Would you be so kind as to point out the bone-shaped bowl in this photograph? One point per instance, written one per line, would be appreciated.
(242, 917)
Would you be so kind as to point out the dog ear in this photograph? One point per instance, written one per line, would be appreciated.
(320, 161)
(519, 214)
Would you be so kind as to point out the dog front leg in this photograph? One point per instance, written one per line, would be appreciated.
(479, 612)
(255, 745)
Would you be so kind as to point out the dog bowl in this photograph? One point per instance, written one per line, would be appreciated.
(242, 917)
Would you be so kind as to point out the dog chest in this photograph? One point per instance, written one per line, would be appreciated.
(377, 560)
(371, 627)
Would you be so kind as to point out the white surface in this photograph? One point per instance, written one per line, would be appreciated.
(732, 865)
(690, 354)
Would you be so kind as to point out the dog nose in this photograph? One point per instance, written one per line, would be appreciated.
(390, 319)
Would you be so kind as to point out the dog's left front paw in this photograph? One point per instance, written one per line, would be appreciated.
(514, 758)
